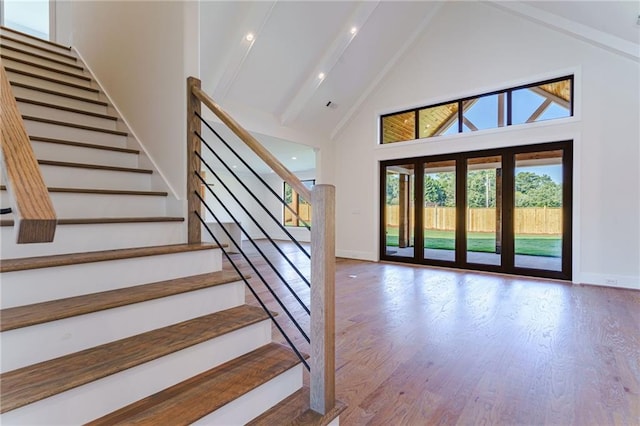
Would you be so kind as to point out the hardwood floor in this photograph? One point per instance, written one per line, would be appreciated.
(424, 346)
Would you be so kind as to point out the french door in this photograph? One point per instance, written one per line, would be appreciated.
(503, 210)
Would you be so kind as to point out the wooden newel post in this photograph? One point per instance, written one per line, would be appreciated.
(323, 273)
(193, 162)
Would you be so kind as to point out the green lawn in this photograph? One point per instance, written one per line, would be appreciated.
(533, 245)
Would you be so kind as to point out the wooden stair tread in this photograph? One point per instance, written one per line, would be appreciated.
(26, 263)
(57, 93)
(109, 192)
(46, 68)
(51, 79)
(45, 58)
(198, 396)
(294, 410)
(76, 126)
(35, 46)
(101, 191)
(24, 316)
(106, 220)
(93, 166)
(64, 108)
(38, 381)
(83, 144)
(52, 43)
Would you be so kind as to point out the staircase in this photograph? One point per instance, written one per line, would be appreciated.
(118, 320)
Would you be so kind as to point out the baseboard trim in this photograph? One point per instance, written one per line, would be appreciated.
(610, 280)
(359, 255)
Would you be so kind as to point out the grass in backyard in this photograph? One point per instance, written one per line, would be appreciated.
(532, 245)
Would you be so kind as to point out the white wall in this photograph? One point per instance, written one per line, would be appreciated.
(471, 48)
(264, 195)
(142, 53)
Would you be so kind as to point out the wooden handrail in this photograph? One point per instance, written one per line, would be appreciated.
(255, 146)
(34, 215)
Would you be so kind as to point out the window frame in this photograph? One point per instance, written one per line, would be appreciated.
(508, 159)
(509, 108)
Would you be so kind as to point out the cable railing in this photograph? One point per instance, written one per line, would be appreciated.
(33, 213)
(257, 176)
(228, 204)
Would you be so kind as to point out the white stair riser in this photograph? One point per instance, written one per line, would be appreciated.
(85, 403)
(41, 61)
(55, 131)
(50, 85)
(40, 52)
(65, 116)
(250, 405)
(41, 342)
(58, 100)
(79, 154)
(71, 177)
(70, 205)
(36, 42)
(9, 63)
(21, 288)
(83, 238)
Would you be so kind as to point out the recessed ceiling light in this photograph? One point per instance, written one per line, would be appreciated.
(321, 76)
(294, 158)
(353, 30)
(249, 37)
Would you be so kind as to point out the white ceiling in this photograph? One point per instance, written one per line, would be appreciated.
(618, 18)
(276, 74)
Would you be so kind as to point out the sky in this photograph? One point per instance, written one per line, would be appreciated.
(554, 171)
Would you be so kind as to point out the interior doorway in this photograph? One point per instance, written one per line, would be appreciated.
(503, 210)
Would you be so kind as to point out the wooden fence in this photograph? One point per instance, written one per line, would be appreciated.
(528, 220)
(304, 210)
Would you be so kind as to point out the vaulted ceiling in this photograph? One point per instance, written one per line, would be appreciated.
(310, 64)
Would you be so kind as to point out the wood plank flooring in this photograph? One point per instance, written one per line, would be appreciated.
(422, 346)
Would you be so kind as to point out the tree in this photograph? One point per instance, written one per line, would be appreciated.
(393, 188)
(433, 191)
(448, 182)
(481, 188)
(534, 190)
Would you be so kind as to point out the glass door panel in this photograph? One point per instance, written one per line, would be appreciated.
(484, 210)
(399, 210)
(439, 210)
(538, 210)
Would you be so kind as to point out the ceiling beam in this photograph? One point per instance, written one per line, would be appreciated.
(539, 111)
(388, 67)
(253, 22)
(547, 95)
(572, 28)
(328, 60)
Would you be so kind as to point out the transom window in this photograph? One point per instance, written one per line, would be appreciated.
(546, 100)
